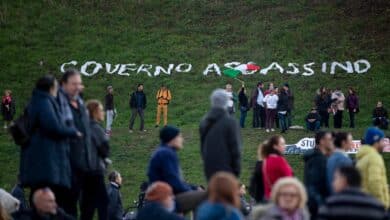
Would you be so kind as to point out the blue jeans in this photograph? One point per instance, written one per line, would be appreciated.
(243, 114)
(282, 121)
(313, 126)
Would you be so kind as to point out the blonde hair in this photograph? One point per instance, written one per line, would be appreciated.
(7, 92)
(289, 181)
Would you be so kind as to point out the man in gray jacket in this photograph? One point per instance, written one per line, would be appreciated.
(220, 138)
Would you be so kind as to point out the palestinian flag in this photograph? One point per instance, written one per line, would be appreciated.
(243, 69)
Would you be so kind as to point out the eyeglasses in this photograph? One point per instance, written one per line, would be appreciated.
(289, 194)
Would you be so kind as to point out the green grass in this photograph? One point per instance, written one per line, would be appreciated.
(196, 32)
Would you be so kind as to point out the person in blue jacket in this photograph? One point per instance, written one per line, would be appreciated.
(164, 165)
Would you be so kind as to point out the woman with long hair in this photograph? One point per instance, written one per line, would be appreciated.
(275, 166)
(224, 199)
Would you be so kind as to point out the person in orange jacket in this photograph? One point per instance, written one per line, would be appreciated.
(163, 97)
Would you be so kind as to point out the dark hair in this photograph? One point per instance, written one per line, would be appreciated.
(113, 175)
(140, 84)
(320, 135)
(259, 83)
(69, 73)
(352, 175)
(352, 89)
(45, 83)
(268, 148)
(339, 138)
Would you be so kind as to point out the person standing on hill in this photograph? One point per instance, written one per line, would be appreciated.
(7, 108)
(323, 103)
(271, 101)
(283, 108)
(338, 108)
(352, 106)
(75, 114)
(232, 99)
(97, 198)
(257, 104)
(163, 97)
(290, 108)
(315, 171)
(220, 138)
(372, 167)
(380, 116)
(110, 109)
(137, 105)
(45, 161)
(244, 106)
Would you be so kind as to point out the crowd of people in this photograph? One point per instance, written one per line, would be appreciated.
(65, 160)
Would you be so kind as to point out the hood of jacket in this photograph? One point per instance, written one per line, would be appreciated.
(364, 151)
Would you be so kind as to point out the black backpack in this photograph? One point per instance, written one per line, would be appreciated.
(20, 130)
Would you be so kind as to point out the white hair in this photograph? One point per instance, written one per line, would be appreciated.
(219, 99)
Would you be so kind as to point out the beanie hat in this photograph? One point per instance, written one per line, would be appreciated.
(168, 133)
(158, 192)
(373, 135)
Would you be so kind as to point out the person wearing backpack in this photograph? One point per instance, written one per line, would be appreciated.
(44, 160)
(256, 185)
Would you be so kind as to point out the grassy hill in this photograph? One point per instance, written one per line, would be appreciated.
(36, 37)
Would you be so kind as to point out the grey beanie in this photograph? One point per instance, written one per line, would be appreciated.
(219, 99)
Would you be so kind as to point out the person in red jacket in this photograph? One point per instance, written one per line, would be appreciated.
(275, 166)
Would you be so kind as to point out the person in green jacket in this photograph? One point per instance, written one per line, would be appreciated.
(372, 167)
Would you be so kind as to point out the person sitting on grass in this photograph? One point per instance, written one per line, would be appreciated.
(313, 120)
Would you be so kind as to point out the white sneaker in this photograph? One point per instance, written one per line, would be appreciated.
(130, 131)
(272, 129)
(5, 127)
(267, 130)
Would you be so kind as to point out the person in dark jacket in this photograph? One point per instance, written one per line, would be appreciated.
(352, 106)
(115, 207)
(283, 108)
(96, 188)
(323, 103)
(109, 108)
(160, 203)
(290, 95)
(257, 104)
(380, 116)
(350, 202)
(164, 163)
(137, 106)
(45, 162)
(7, 108)
(315, 171)
(220, 138)
(74, 114)
(44, 208)
(18, 192)
(313, 120)
(244, 106)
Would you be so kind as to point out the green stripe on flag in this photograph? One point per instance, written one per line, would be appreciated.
(232, 73)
